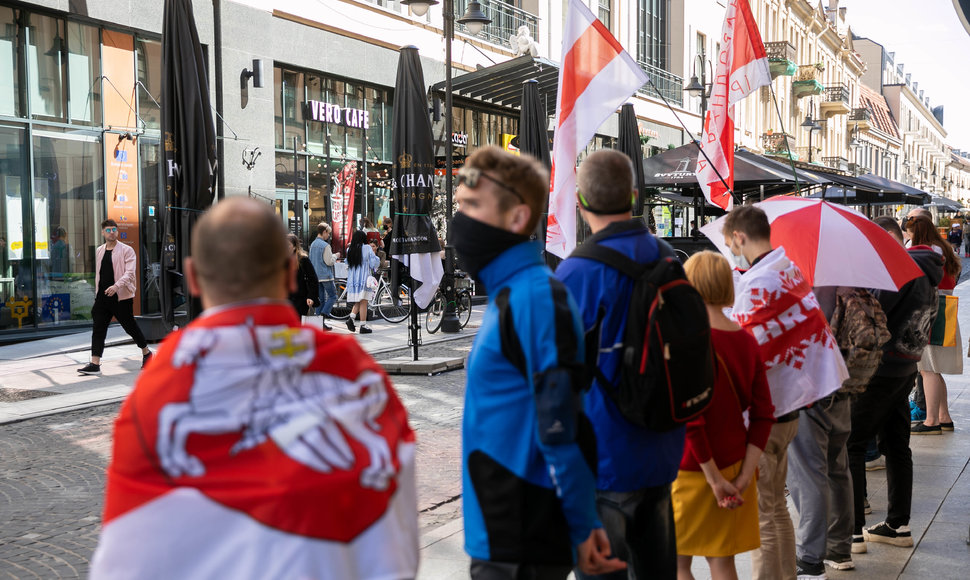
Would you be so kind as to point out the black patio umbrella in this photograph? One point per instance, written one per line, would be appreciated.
(629, 144)
(189, 148)
(533, 138)
(413, 236)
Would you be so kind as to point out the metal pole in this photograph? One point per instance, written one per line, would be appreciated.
(449, 320)
(700, 221)
(220, 147)
(296, 189)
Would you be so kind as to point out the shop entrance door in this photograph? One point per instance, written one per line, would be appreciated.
(293, 212)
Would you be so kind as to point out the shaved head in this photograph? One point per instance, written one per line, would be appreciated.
(239, 252)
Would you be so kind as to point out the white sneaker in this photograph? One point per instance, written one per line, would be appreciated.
(859, 545)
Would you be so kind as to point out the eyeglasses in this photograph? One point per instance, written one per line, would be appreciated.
(470, 176)
(110, 230)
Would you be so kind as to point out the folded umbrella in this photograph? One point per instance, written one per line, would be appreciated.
(832, 245)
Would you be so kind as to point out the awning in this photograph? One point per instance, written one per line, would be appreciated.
(945, 204)
(501, 84)
(918, 196)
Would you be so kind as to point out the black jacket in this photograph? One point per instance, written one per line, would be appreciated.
(307, 286)
(910, 314)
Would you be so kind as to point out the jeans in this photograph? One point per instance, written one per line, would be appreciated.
(775, 559)
(107, 307)
(328, 296)
(640, 525)
(819, 481)
(883, 410)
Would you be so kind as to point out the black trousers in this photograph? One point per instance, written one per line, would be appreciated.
(485, 570)
(107, 307)
(883, 410)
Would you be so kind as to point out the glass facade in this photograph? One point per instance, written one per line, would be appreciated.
(64, 163)
(653, 33)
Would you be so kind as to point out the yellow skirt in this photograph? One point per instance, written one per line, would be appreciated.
(703, 528)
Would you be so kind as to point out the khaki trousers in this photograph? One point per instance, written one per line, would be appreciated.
(775, 560)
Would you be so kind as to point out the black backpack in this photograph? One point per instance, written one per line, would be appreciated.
(667, 371)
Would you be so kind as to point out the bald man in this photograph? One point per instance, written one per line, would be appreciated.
(255, 446)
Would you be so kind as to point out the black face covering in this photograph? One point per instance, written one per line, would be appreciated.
(478, 243)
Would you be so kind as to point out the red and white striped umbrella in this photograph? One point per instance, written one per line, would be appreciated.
(832, 245)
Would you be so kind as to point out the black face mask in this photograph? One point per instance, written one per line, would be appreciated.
(478, 243)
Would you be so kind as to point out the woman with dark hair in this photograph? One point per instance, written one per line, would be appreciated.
(307, 294)
(937, 360)
(361, 263)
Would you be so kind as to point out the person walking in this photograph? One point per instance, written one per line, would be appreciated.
(322, 258)
(115, 267)
(937, 360)
(715, 505)
(802, 365)
(528, 484)
(361, 284)
(254, 446)
(883, 408)
(306, 294)
(636, 466)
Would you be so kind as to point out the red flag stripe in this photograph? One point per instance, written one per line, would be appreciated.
(591, 52)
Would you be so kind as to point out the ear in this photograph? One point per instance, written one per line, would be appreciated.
(192, 278)
(518, 219)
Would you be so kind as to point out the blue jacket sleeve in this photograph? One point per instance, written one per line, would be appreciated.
(554, 349)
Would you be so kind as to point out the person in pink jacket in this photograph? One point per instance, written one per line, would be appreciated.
(115, 267)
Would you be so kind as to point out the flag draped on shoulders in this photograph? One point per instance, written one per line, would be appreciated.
(596, 76)
(742, 67)
(775, 304)
(253, 447)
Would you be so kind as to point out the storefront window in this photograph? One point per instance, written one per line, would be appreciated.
(150, 76)
(68, 190)
(9, 63)
(15, 264)
(45, 67)
(293, 125)
(84, 72)
(375, 138)
(278, 106)
(151, 181)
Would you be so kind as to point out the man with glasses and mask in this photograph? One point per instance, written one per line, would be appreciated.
(115, 266)
(528, 451)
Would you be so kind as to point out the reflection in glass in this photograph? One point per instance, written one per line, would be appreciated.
(68, 188)
(45, 66)
(150, 75)
(9, 63)
(292, 102)
(84, 72)
(150, 180)
(15, 264)
(278, 105)
(284, 173)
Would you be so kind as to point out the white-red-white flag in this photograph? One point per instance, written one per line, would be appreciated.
(742, 66)
(595, 78)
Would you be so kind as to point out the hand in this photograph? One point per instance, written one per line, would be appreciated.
(309, 302)
(110, 291)
(594, 555)
(741, 482)
(727, 494)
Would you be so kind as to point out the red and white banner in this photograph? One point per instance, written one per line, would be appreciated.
(342, 204)
(255, 447)
(595, 78)
(775, 304)
(742, 66)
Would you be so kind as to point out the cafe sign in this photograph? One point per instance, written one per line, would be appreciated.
(337, 115)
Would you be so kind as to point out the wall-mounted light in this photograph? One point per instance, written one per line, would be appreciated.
(256, 73)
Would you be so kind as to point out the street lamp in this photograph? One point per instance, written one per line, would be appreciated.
(473, 19)
(701, 88)
(812, 126)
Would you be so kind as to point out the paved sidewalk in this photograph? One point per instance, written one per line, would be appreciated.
(40, 377)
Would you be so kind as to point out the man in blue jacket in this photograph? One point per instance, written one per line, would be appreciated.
(528, 454)
(636, 465)
(322, 258)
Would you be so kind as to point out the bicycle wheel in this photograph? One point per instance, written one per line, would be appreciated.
(436, 310)
(341, 308)
(464, 308)
(386, 307)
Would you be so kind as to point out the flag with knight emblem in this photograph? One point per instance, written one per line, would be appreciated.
(254, 447)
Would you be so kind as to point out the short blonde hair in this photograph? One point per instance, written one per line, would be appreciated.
(710, 273)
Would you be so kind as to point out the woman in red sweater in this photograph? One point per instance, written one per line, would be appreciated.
(715, 501)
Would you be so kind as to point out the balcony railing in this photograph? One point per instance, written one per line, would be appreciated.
(836, 94)
(781, 58)
(668, 84)
(858, 169)
(808, 81)
(775, 144)
(860, 115)
(506, 20)
(840, 163)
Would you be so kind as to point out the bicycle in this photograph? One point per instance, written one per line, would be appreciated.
(463, 305)
(383, 301)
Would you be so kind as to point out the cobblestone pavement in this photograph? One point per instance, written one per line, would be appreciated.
(52, 473)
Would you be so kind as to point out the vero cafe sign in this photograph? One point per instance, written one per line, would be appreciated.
(336, 115)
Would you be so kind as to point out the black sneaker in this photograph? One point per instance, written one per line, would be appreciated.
(326, 326)
(924, 429)
(350, 325)
(145, 358)
(866, 508)
(859, 545)
(364, 329)
(90, 369)
(806, 571)
(883, 533)
(839, 562)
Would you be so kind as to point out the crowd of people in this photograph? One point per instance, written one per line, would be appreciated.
(556, 476)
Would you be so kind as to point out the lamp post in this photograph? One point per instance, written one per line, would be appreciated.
(473, 19)
(701, 88)
(810, 124)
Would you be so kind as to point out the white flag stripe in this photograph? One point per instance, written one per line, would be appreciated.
(853, 247)
(749, 77)
(427, 269)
